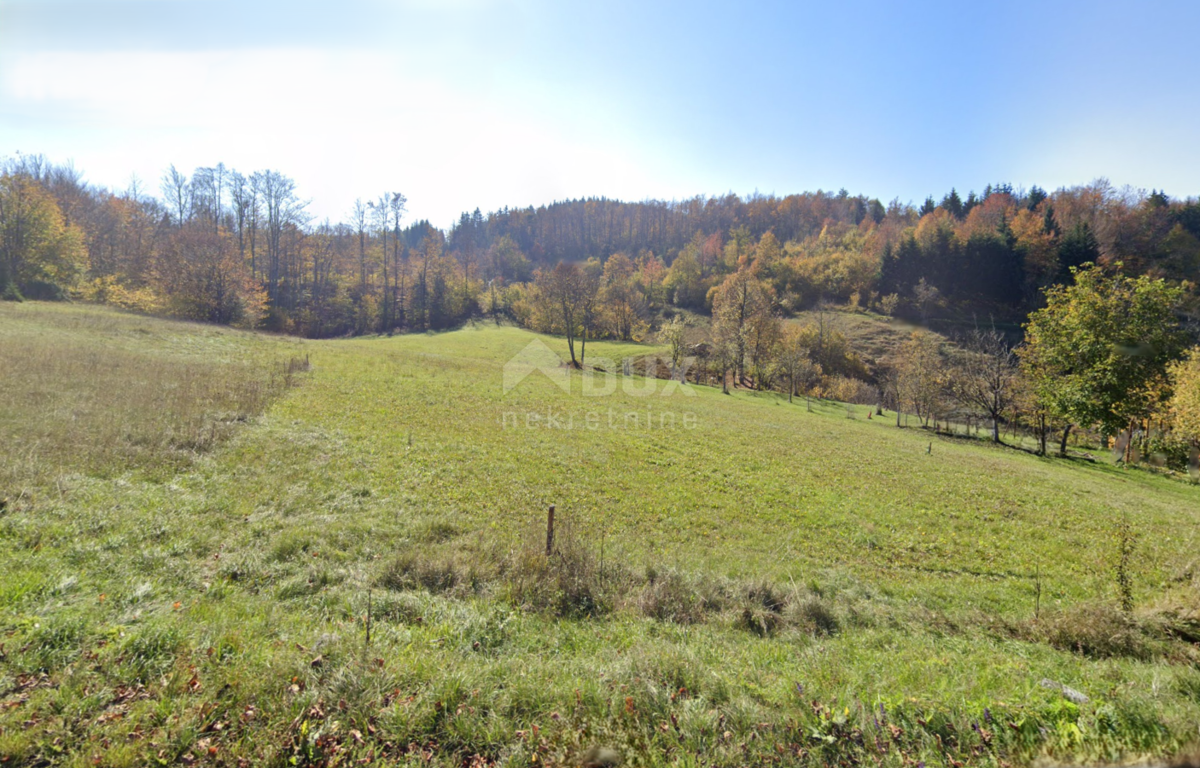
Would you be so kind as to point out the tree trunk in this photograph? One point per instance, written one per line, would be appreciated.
(1062, 447)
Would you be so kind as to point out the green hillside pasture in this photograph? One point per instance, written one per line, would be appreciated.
(827, 588)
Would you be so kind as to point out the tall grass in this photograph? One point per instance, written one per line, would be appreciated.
(77, 400)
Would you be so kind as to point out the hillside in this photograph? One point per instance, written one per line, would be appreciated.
(744, 582)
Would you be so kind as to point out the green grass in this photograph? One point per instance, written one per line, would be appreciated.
(211, 611)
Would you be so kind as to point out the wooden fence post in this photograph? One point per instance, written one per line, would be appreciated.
(550, 532)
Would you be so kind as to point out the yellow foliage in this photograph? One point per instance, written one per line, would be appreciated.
(1185, 402)
(109, 290)
(1041, 253)
(36, 245)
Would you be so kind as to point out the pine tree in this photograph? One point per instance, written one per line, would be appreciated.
(953, 204)
(1079, 247)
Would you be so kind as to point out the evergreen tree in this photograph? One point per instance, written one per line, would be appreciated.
(953, 204)
(1035, 197)
(1049, 223)
(1077, 248)
(971, 202)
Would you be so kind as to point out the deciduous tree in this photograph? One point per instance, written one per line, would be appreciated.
(1100, 347)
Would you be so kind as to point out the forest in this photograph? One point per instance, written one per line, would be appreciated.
(1005, 272)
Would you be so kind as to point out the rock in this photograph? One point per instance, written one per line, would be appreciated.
(1070, 694)
(601, 757)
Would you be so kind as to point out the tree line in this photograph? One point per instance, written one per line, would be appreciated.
(1106, 352)
(225, 247)
(231, 248)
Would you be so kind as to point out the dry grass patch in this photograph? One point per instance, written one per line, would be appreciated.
(78, 400)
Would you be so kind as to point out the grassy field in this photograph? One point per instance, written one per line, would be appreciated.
(738, 580)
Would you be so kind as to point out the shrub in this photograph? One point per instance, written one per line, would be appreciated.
(1171, 452)
(814, 616)
(758, 620)
(762, 607)
(570, 582)
(670, 597)
(412, 571)
(1101, 631)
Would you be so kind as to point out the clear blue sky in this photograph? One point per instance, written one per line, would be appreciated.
(465, 103)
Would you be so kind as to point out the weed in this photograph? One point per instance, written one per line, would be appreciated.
(813, 615)
(1100, 631)
(1126, 542)
(669, 596)
(412, 570)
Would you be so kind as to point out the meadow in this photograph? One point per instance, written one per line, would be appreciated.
(227, 548)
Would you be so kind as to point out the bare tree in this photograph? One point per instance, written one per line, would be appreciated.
(672, 334)
(726, 340)
(985, 376)
(379, 215)
(359, 219)
(283, 208)
(589, 302)
(242, 199)
(926, 296)
(253, 217)
(177, 191)
(397, 207)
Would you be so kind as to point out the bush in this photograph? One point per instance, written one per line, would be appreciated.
(568, 583)
(849, 390)
(434, 574)
(762, 607)
(1170, 452)
(1101, 631)
(670, 597)
(812, 615)
(41, 290)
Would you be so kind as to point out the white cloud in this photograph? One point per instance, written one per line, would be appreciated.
(344, 124)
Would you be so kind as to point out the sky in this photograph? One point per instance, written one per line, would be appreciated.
(490, 103)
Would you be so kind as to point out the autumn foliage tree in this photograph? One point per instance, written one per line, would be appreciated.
(40, 255)
(741, 316)
(1184, 406)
